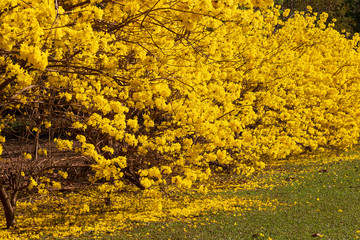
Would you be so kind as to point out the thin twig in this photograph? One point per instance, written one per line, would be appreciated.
(56, 18)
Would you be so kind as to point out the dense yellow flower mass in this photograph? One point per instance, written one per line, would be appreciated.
(161, 93)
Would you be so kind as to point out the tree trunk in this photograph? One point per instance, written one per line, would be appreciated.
(9, 207)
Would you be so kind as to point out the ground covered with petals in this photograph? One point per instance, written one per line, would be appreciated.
(314, 185)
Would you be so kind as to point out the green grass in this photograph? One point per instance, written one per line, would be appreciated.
(315, 201)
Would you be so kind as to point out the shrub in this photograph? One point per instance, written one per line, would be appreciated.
(160, 94)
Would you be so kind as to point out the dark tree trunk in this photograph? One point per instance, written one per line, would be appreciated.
(9, 206)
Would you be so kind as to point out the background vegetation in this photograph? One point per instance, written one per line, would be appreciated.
(346, 12)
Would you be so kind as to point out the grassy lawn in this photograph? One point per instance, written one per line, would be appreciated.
(314, 201)
(303, 198)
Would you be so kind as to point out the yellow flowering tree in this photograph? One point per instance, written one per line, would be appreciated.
(160, 94)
